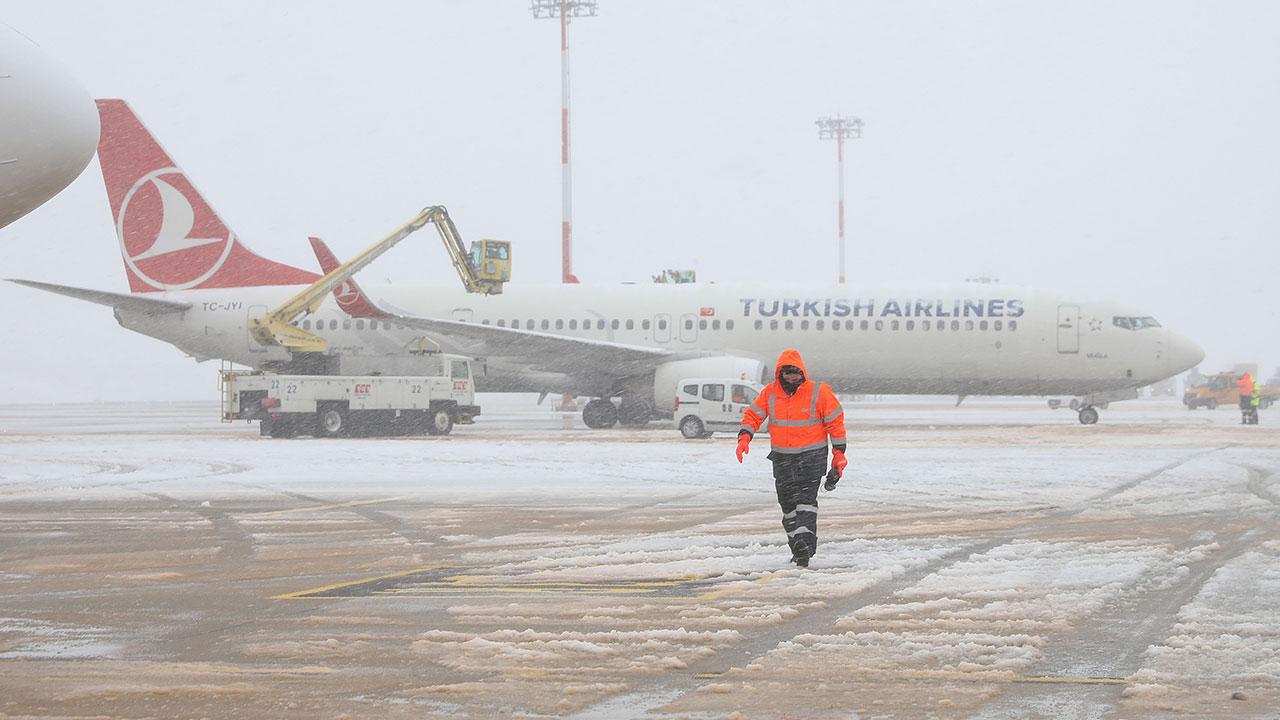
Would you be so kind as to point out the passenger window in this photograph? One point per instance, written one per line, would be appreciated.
(458, 370)
(600, 324)
(743, 395)
(573, 324)
(773, 324)
(690, 389)
(702, 324)
(546, 324)
(688, 324)
(1013, 325)
(515, 324)
(715, 324)
(968, 325)
(942, 325)
(631, 324)
(346, 324)
(644, 324)
(893, 324)
(333, 324)
(728, 324)
(662, 324)
(804, 324)
(359, 324)
(911, 324)
(863, 326)
(759, 325)
(819, 325)
(997, 325)
(559, 324)
(982, 325)
(955, 324)
(613, 325)
(714, 393)
(791, 324)
(306, 324)
(502, 323)
(924, 325)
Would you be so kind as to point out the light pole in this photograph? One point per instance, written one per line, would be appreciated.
(564, 10)
(840, 128)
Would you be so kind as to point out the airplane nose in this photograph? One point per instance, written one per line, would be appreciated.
(1183, 354)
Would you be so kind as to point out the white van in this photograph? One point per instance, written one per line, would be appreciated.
(707, 405)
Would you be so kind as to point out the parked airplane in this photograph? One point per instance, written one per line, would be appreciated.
(195, 286)
(48, 127)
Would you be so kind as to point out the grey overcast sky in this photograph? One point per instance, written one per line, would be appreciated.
(1123, 150)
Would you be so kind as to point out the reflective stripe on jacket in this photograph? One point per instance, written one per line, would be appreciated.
(798, 422)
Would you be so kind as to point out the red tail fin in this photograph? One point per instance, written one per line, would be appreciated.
(171, 239)
(350, 297)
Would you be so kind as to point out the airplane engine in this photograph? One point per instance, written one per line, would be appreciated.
(667, 375)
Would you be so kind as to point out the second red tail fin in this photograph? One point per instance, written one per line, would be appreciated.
(350, 297)
(171, 239)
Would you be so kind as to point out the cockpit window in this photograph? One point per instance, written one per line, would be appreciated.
(1134, 323)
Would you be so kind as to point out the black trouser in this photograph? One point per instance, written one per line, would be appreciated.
(796, 478)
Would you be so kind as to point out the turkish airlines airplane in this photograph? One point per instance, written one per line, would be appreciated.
(196, 286)
(48, 127)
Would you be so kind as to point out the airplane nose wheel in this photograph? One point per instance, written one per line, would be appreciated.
(1088, 416)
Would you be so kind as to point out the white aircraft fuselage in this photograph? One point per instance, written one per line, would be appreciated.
(930, 339)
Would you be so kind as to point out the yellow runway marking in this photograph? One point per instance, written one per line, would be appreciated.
(319, 508)
(302, 594)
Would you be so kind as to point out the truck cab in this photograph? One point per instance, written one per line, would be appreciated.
(708, 405)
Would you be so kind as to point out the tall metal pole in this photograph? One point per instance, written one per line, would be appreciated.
(839, 128)
(564, 10)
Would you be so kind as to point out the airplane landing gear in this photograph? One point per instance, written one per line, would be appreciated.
(600, 414)
(1088, 415)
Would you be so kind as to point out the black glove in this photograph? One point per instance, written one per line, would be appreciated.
(833, 477)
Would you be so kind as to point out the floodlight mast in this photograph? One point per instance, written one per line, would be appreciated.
(839, 128)
(564, 10)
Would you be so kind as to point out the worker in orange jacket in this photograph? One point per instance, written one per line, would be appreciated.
(802, 415)
(1245, 385)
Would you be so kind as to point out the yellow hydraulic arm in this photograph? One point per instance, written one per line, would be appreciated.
(276, 328)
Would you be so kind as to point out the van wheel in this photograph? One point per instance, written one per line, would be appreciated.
(331, 421)
(692, 428)
(439, 422)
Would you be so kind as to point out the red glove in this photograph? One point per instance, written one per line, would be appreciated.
(744, 440)
(839, 462)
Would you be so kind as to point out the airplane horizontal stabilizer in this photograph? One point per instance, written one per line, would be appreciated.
(134, 303)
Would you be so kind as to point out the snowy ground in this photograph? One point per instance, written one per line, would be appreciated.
(996, 560)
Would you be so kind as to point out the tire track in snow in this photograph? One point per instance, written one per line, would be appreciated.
(1109, 644)
(645, 700)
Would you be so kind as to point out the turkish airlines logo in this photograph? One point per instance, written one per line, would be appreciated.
(169, 238)
(347, 294)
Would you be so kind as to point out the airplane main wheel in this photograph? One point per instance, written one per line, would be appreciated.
(1088, 416)
(634, 413)
(600, 414)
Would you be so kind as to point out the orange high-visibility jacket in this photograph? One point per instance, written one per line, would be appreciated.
(798, 422)
(1245, 383)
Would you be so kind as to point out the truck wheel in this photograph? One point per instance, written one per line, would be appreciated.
(1211, 403)
(439, 422)
(691, 428)
(331, 421)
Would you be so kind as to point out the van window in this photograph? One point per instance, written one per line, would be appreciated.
(743, 394)
(458, 370)
(714, 393)
(691, 389)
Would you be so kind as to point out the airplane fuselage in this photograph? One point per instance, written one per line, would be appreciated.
(928, 339)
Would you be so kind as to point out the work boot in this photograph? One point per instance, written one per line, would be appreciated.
(801, 554)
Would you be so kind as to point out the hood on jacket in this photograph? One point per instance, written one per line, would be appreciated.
(789, 357)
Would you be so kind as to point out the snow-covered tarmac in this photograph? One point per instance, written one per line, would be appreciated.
(996, 560)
